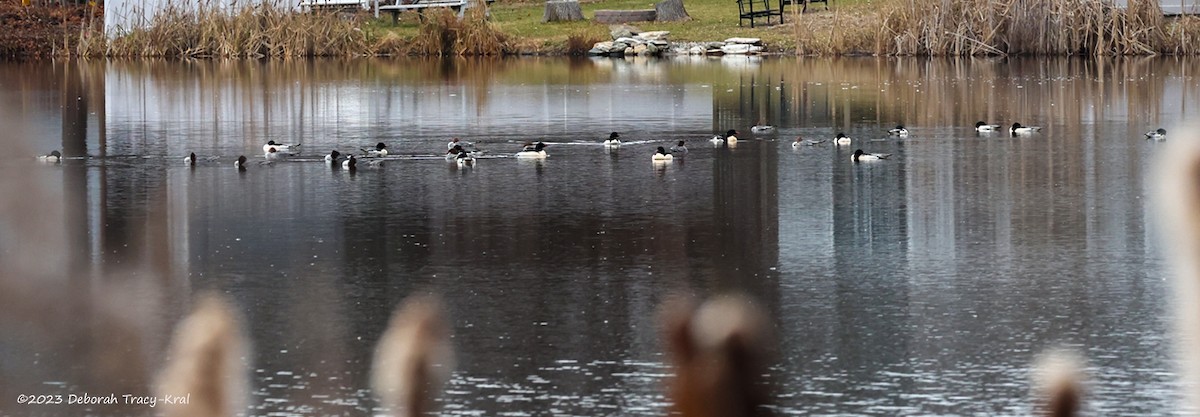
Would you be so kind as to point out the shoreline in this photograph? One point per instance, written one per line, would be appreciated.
(892, 28)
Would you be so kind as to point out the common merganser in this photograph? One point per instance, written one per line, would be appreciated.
(679, 149)
(982, 127)
(899, 130)
(859, 156)
(380, 150)
(842, 139)
(279, 147)
(1017, 129)
(613, 139)
(536, 151)
(465, 159)
(53, 156)
(661, 155)
(1160, 134)
(731, 137)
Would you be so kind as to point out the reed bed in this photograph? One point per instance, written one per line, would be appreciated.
(270, 31)
(444, 34)
(894, 27)
(580, 43)
(1001, 27)
(249, 32)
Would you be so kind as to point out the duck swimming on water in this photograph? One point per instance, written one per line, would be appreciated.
(983, 127)
(614, 139)
(679, 149)
(533, 151)
(53, 156)
(841, 139)
(379, 151)
(859, 156)
(762, 129)
(661, 155)
(279, 147)
(1018, 129)
(1160, 134)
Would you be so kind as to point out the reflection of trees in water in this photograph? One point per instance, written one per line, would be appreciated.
(914, 91)
(843, 92)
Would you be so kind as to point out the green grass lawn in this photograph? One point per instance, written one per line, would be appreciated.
(712, 20)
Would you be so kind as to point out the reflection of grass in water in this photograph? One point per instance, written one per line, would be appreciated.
(954, 92)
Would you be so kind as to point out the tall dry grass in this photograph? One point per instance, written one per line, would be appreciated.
(443, 33)
(1001, 27)
(579, 43)
(270, 31)
(249, 32)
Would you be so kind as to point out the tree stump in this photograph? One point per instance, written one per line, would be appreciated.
(670, 10)
(562, 11)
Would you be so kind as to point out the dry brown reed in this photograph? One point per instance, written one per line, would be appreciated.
(1000, 27)
(443, 33)
(719, 353)
(1058, 376)
(413, 358)
(250, 32)
(206, 362)
(580, 43)
(1178, 200)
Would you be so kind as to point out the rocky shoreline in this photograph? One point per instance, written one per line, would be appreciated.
(628, 41)
(53, 30)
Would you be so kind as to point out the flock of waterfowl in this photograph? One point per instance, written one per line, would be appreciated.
(464, 154)
(1017, 129)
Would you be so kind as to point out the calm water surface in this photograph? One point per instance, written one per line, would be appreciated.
(925, 284)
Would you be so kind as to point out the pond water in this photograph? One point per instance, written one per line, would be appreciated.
(924, 284)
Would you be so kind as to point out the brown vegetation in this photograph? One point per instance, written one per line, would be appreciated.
(252, 32)
(444, 34)
(269, 31)
(41, 29)
(580, 43)
(1000, 27)
(899, 27)
(719, 352)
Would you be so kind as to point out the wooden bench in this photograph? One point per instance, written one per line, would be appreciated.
(311, 5)
(421, 5)
(624, 16)
(757, 9)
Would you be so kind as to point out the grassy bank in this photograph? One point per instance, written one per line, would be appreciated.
(877, 27)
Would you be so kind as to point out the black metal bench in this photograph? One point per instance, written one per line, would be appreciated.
(757, 9)
(784, 3)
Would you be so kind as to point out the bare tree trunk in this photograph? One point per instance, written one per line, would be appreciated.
(671, 10)
(562, 11)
